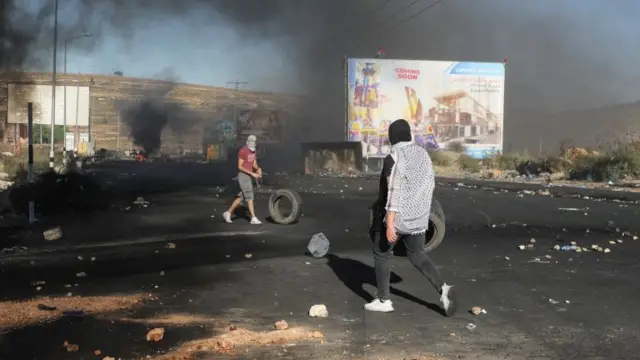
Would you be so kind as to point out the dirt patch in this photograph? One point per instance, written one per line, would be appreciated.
(176, 320)
(235, 339)
(16, 314)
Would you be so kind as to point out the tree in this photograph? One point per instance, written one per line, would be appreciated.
(46, 134)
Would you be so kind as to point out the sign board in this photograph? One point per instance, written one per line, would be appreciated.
(77, 104)
(70, 140)
(444, 102)
(266, 124)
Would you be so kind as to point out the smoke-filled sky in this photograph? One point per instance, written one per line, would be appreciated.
(563, 54)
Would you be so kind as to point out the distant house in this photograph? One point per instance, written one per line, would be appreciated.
(457, 115)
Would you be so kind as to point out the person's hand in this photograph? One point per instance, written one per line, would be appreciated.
(392, 236)
(256, 175)
(259, 172)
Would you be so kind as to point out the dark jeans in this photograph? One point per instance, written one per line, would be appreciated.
(383, 251)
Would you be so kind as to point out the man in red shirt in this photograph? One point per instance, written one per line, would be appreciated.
(247, 170)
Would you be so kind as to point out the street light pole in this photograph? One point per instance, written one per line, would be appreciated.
(53, 82)
(64, 146)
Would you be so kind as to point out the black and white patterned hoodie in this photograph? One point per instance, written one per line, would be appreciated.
(409, 179)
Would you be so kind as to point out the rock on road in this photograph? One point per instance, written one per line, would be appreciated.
(540, 303)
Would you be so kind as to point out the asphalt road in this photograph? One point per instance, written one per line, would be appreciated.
(540, 303)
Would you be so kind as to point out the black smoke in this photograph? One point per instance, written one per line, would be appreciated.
(154, 111)
(561, 58)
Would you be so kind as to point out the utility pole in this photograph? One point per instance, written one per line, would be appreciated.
(540, 145)
(53, 83)
(75, 136)
(237, 85)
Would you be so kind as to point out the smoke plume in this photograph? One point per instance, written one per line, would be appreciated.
(560, 59)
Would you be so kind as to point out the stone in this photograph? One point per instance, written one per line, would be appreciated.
(319, 311)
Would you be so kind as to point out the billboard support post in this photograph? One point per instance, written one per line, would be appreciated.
(32, 215)
(53, 85)
(346, 98)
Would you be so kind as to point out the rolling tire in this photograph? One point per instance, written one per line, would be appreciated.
(437, 224)
(296, 206)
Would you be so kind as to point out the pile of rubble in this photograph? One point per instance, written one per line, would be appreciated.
(5, 183)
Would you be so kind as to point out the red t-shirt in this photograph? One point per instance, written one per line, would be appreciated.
(249, 158)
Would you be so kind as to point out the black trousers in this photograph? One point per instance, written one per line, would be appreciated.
(383, 251)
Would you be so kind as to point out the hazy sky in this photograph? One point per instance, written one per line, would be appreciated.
(563, 54)
(550, 43)
(190, 50)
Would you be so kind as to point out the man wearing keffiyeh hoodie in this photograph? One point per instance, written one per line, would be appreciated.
(402, 214)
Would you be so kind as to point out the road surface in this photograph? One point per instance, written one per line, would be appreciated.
(540, 303)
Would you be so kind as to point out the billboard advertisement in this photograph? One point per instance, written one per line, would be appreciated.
(76, 106)
(444, 101)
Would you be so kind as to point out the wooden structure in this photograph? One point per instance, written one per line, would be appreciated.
(108, 93)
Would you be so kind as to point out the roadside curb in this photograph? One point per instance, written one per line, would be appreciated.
(558, 190)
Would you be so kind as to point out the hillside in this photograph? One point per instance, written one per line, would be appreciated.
(586, 128)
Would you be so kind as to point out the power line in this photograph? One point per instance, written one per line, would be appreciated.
(383, 23)
(406, 20)
(380, 7)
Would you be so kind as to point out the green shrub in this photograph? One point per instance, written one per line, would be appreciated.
(506, 161)
(467, 163)
(443, 158)
(618, 161)
(456, 146)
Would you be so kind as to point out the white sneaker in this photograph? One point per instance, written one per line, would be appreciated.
(379, 306)
(448, 299)
(255, 221)
(227, 217)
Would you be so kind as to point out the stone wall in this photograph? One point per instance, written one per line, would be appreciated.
(109, 131)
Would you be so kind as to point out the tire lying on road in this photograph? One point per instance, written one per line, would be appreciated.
(437, 225)
(280, 196)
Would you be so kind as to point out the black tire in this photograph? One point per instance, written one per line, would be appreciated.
(437, 227)
(296, 206)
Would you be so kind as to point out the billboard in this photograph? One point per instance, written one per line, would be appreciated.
(444, 102)
(77, 104)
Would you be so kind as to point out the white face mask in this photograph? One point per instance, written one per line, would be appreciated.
(251, 143)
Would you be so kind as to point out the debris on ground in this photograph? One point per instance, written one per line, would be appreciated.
(70, 347)
(236, 337)
(170, 245)
(16, 314)
(319, 311)
(44, 307)
(155, 334)
(140, 201)
(14, 249)
(248, 256)
(81, 274)
(476, 310)
(319, 245)
(53, 234)
(471, 326)
(281, 325)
